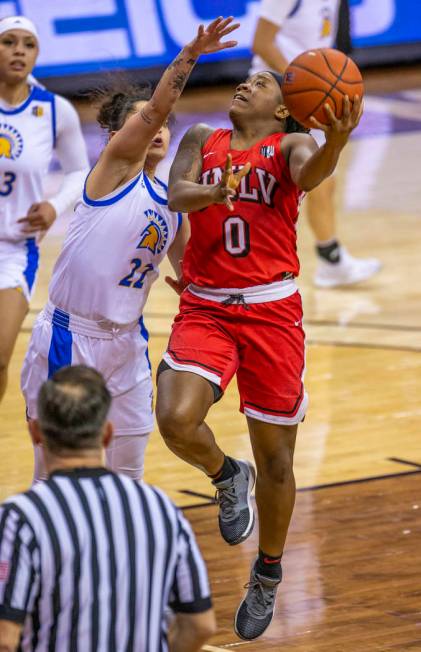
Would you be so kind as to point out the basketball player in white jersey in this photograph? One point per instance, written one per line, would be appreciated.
(33, 123)
(121, 230)
(284, 30)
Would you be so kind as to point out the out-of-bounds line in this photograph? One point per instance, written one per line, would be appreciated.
(370, 478)
(399, 460)
(197, 494)
(226, 646)
(197, 506)
(333, 485)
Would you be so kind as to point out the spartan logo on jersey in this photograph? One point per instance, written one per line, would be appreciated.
(37, 111)
(154, 236)
(11, 142)
(326, 23)
(267, 151)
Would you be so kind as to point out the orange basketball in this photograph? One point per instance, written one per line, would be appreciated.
(319, 77)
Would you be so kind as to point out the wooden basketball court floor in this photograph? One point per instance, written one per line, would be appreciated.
(352, 563)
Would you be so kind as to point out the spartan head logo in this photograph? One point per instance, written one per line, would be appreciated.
(155, 235)
(11, 142)
(326, 24)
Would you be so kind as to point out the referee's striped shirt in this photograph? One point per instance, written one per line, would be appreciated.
(90, 560)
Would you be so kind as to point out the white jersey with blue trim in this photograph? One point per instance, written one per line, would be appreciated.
(112, 251)
(303, 25)
(27, 140)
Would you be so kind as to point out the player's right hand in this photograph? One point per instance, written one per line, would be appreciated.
(208, 39)
(40, 217)
(339, 129)
(226, 189)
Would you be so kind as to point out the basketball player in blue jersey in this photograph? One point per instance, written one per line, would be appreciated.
(121, 230)
(33, 123)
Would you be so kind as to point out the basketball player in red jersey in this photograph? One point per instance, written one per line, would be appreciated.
(241, 313)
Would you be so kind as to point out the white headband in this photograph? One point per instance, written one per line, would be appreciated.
(18, 22)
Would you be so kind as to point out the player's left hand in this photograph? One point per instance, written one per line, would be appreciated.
(178, 285)
(226, 189)
(40, 217)
(208, 39)
(338, 130)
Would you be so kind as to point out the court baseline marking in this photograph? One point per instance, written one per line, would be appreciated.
(399, 460)
(329, 485)
(226, 646)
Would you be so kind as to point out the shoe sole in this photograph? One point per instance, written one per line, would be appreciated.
(250, 526)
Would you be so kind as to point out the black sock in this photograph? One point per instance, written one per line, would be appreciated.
(330, 251)
(227, 470)
(269, 566)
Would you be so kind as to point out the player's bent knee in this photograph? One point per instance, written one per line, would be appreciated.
(175, 423)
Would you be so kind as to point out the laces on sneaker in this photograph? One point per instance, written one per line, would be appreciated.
(260, 598)
(227, 498)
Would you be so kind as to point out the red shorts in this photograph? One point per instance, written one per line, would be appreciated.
(262, 343)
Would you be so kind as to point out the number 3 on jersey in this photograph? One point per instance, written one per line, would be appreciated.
(236, 236)
(7, 179)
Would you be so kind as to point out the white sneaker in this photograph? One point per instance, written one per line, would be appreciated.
(347, 271)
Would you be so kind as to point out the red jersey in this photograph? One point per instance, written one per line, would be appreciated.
(256, 243)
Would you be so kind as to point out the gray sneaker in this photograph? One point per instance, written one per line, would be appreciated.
(255, 612)
(236, 516)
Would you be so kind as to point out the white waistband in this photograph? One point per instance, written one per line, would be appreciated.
(254, 294)
(104, 329)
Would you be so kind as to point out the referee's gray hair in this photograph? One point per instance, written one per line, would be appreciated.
(72, 408)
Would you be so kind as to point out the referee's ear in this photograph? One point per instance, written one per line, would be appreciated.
(107, 434)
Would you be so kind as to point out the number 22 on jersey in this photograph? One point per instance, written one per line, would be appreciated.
(137, 275)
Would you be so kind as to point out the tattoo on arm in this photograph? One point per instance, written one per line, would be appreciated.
(145, 117)
(184, 67)
(187, 165)
(179, 82)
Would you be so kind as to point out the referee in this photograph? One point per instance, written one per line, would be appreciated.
(90, 560)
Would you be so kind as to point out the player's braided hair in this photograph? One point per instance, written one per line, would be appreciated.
(117, 101)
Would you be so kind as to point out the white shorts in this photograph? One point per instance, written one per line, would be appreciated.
(19, 265)
(121, 355)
